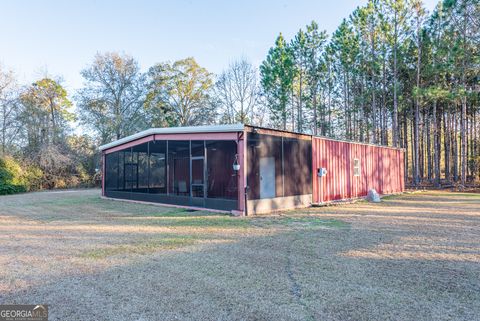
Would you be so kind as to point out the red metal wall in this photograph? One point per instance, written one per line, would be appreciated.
(381, 168)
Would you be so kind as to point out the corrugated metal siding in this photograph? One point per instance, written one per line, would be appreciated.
(381, 168)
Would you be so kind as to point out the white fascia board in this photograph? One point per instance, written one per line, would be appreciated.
(176, 130)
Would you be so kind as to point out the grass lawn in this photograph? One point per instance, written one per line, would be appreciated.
(412, 257)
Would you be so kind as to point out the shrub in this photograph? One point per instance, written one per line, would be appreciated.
(52, 167)
(33, 176)
(12, 178)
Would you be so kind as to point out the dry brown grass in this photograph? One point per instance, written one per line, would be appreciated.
(412, 257)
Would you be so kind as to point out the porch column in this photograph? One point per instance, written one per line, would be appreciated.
(103, 174)
(242, 173)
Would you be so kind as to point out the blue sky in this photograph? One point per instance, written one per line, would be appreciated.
(61, 37)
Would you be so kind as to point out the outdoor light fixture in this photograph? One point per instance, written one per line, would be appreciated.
(236, 165)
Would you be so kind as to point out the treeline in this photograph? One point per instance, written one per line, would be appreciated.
(390, 74)
(49, 139)
(38, 147)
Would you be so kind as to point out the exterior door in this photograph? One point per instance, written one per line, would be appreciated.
(198, 177)
(267, 177)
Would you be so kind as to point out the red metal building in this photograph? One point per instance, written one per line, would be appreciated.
(354, 168)
(245, 169)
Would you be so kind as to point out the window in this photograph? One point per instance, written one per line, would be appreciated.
(356, 167)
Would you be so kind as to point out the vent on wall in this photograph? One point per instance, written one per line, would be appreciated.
(356, 167)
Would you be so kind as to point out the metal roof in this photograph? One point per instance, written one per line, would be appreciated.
(176, 130)
(218, 129)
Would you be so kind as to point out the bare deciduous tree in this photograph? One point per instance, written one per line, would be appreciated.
(238, 93)
(9, 110)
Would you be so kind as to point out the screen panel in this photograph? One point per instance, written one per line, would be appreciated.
(111, 171)
(198, 148)
(140, 168)
(179, 167)
(278, 166)
(297, 162)
(264, 158)
(222, 180)
(158, 167)
(150, 170)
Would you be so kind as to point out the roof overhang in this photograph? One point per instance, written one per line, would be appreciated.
(176, 130)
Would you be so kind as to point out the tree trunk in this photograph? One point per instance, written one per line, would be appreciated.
(330, 127)
(395, 102)
(414, 147)
(405, 143)
(429, 148)
(54, 125)
(346, 104)
(446, 140)
(416, 161)
(476, 149)
(435, 121)
(315, 127)
(463, 121)
(4, 129)
(455, 146)
(436, 147)
(300, 116)
(362, 110)
(293, 109)
(463, 140)
(417, 111)
(374, 108)
(384, 107)
(422, 147)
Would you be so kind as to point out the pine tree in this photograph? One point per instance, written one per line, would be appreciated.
(277, 74)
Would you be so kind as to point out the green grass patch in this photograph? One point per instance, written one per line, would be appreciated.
(389, 197)
(142, 248)
(310, 222)
(202, 221)
(228, 222)
(149, 210)
(454, 194)
(66, 201)
(176, 212)
(48, 219)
